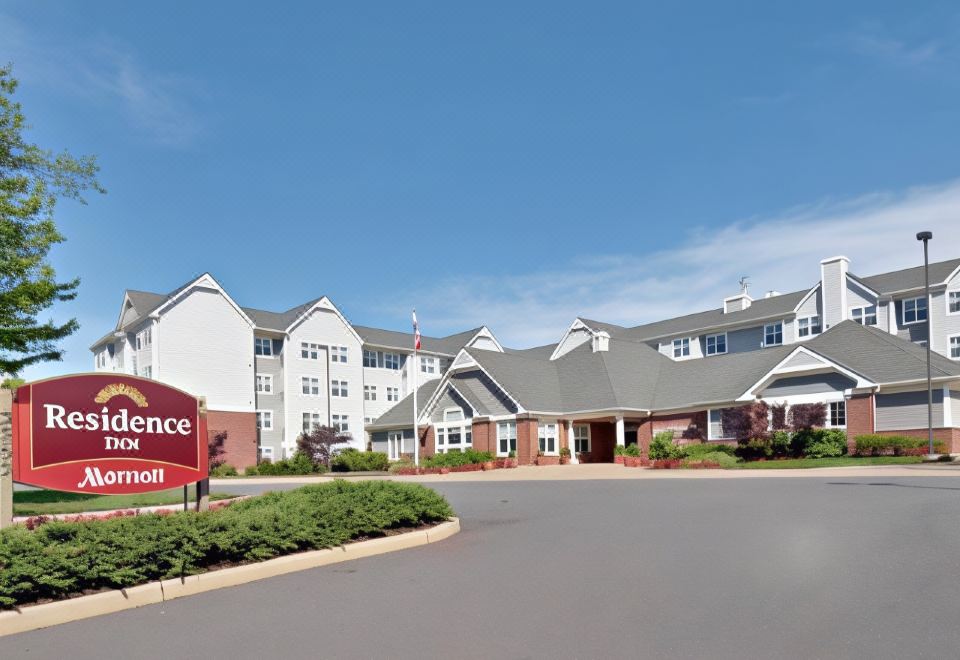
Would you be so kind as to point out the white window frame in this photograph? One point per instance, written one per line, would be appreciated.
(144, 339)
(428, 365)
(864, 315)
(313, 419)
(266, 451)
(265, 420)
(339, 389)
(338, 354)
(710, 423)
(463, 427)
(506, 425)
(950, 339)
(310, 382)
(543, 434)
(367, 354)
(340, 422)
(393, 394)
(683, 346)
(809, 326)
(903, 310)
(391, 358)
(765, 333)
(578, 438)
(947, 296)
(829, 421)
(715, 338)
(311, 349)
(267, 381)
(369, 392)
(394, 445)
(148, 371)
(259, 342)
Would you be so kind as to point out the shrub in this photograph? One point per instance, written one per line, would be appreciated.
(898, 445)
(62, 559)
(216, 450)
(619, 450)
(401, 466)
(299, 465)
(456, 459)
(824, 443)
(745, 423)
(805, 416)
(778, 416)
(721, 458)
(564, 452)
(319, 443)
(351, 460)
(781, 443)
(755, 448)
(698, 450)
(662, 447)
(223, 470)
(631, 450)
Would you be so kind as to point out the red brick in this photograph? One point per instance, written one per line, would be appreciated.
(240, 446)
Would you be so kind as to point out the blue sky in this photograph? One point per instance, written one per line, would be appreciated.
(508, 164)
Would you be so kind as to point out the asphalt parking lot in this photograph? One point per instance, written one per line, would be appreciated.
(818, 567)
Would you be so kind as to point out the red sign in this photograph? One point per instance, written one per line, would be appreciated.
(107, 433)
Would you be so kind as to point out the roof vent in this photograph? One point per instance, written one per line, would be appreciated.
(771, 293)
(601, 341)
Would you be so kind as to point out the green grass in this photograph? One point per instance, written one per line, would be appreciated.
(840, 461)
(47, 502)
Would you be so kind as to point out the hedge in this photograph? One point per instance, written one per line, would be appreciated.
(456, 459)
(63, 559)
(351, 460)
(898, 445)
(300, 464)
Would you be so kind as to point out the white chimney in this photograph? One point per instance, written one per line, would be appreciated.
(833, 290)
(736, 303)
(771, 294)
(601, 341)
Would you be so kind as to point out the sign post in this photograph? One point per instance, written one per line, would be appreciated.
(6, 458)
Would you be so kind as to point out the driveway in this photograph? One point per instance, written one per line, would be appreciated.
(817, 567)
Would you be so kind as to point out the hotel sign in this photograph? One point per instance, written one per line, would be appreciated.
(108, 434)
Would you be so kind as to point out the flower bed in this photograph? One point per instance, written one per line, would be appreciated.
(57, 559)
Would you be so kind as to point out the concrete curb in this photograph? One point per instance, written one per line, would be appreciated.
(108, 602)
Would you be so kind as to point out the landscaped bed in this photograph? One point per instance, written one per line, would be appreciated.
(59, 560)
(52, 502)
(839, 461)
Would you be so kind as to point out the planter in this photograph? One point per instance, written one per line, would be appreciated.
(564, 460)
(585, 457)
(631, 461)
(489, 465)
(548, 460)
(618, 459)
(667, 464)
(506, 462)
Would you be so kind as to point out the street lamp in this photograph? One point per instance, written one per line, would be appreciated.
(926, 236)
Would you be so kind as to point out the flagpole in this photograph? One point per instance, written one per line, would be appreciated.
(413, 371)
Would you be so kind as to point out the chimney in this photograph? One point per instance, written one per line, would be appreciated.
(833, 289)
(771, 294)
(601, 342)
(737, 303)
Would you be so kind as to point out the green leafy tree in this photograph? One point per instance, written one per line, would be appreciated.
(31, 181)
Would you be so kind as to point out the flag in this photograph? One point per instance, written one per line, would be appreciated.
(416, 332)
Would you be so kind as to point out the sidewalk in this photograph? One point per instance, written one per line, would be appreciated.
(614, 471)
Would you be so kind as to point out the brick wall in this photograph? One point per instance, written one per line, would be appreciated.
(240, 446)
(527, 441)
(484, 436)
(428, 445)
(948, 436)
(645, 436)
(694, 423)
(860, 419)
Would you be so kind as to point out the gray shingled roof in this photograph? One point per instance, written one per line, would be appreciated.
(449, 345)
(145, 302)
(402, 413)
(910, 278)
(278, 321)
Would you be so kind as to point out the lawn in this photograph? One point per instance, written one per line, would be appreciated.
(46, 502)
(840, 461)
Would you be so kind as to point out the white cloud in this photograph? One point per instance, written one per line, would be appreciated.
(877, 232)
(105, 72)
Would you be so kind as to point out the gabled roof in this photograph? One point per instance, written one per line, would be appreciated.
(402, 413)
(145, 302)
(279, 321)
(910, 278)
(448, 345)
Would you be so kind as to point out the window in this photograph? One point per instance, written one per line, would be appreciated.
(262, 346)
(266, 453)
(428, 365)
(547, 434)
(338, 354)
(370, 358)
(681, 347)
(393, 394)
(394, 445)
(309, 351)
(773, 334)
(808, 326)
(338, 388)
(369, 392)
(341, 423)
(716, 344)
(506, 438)
(264, 383)
(838, 414)
(368, 420)
(955, 347)
(265, 420)
(864, 315)
(148, 372)
(953, 302)
(391, 361)
(101, 359)
(144, 339)
(581, 438)
(914, 310)
(310, 420)
(715, 430)
(310, 386)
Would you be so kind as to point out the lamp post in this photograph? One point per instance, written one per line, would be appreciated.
(926, 236)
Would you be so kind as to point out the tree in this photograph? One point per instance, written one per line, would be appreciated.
(216, 450)
(31, 181)
(749, 422)
(318, 443)
(805, 416)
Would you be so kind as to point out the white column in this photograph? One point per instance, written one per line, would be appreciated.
(947, 407)
(571, 444)
(621, 433)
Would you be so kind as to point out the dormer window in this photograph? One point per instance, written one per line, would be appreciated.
(808, 326)
(864, 315)
(262, 346)
(716, 344)
(914, 310)
(681, 347)
(773, 334)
